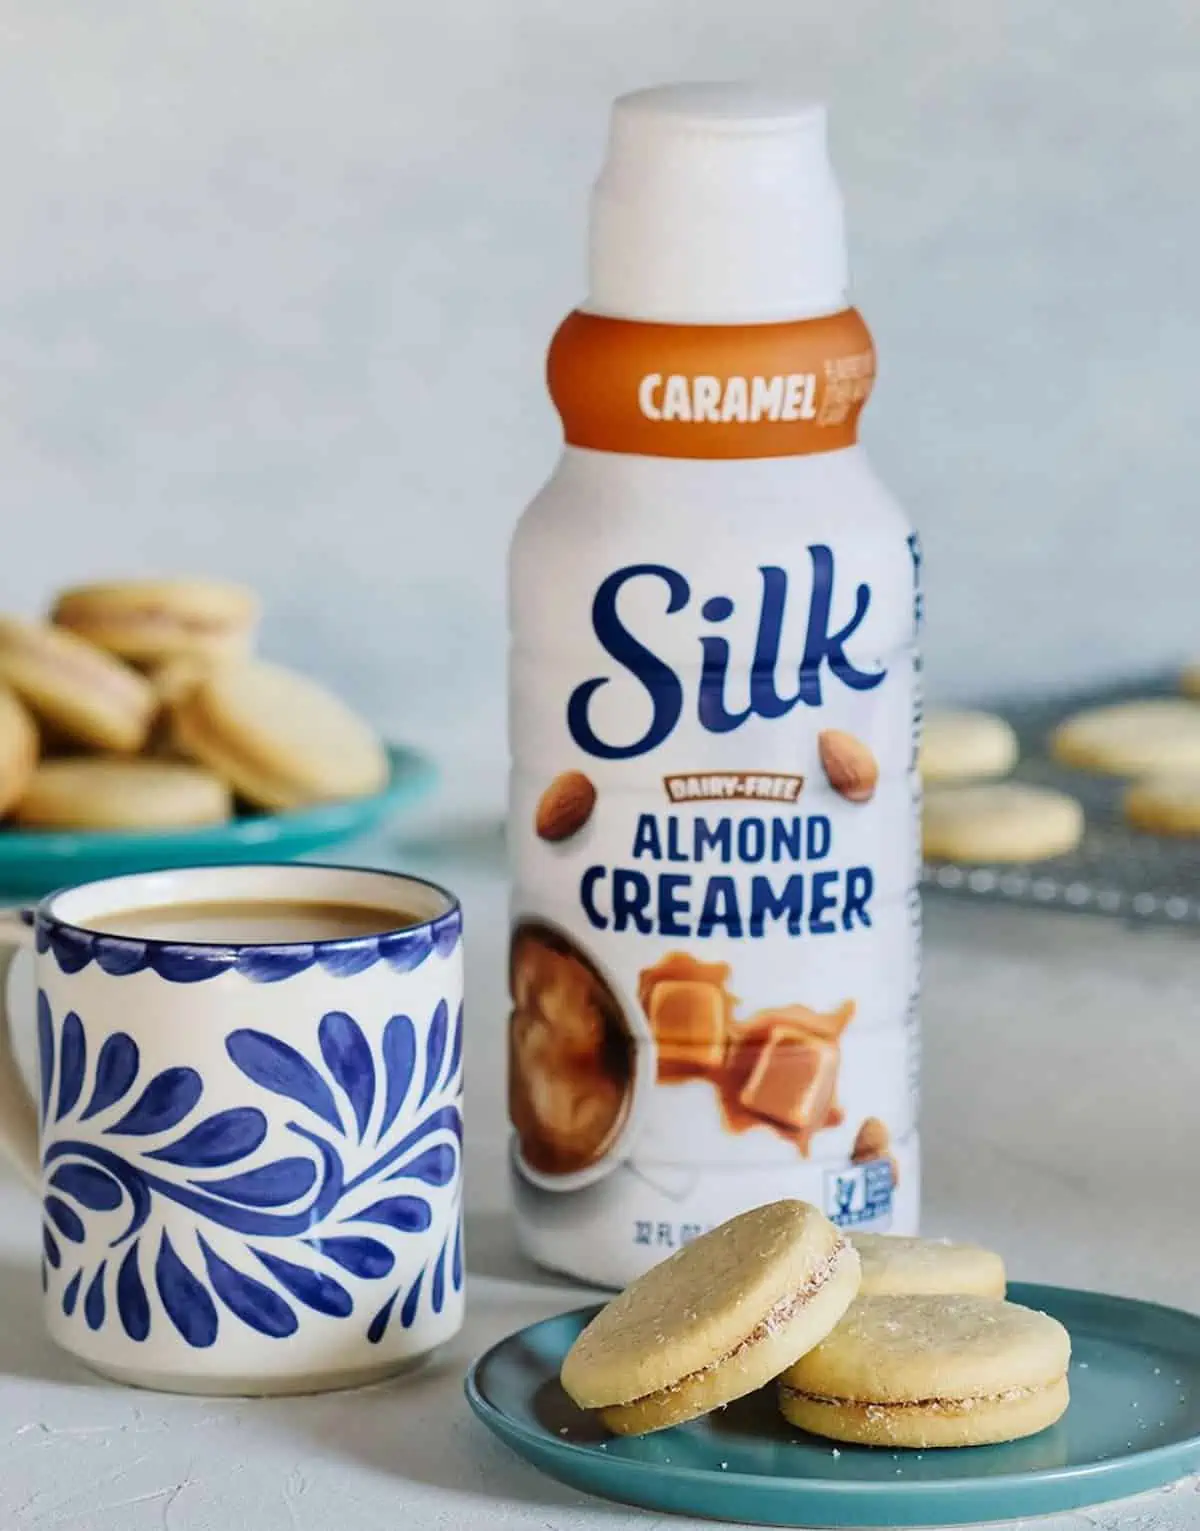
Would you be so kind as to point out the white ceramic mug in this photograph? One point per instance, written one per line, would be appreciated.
(249, 1156)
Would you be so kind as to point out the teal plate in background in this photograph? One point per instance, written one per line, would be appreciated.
(37, 861)
(1133, 1424)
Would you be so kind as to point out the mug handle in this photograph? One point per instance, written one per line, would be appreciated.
(18, 1113)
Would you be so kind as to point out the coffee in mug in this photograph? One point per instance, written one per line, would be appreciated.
(249, 921)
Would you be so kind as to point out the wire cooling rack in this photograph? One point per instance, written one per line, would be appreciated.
(1116, 870)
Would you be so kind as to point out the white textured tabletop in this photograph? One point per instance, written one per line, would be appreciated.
(1062, 1056)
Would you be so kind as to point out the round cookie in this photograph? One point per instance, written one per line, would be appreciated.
(724, 1315)
(153, 620)
(966, 746)
(279, 738)
(1167, 803)
(18, 748)
(999, 821)
(121, 794)
(84, 694)
(1131, 738)
(892, 1265)
(930, 1371)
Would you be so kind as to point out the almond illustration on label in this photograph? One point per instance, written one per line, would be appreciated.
(565, 806)
(872, 1141)
(849, 765)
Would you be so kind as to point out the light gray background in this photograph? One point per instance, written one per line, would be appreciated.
(276, 279)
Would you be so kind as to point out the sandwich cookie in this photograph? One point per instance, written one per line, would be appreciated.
(121, 794)
(18, 748)
(892, 1265)
(152, 620)
(86, 695)
(724, 1315)
(965, 746)
(280, 739)
(931, 1371)
(1131, 738)
(999, 821)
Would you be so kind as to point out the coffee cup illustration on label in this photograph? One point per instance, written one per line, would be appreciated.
(577, 1061)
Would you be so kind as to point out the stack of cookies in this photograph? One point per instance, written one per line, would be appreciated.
(139, 705)
(873, 1340)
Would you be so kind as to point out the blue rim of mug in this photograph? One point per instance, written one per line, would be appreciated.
(403, 947)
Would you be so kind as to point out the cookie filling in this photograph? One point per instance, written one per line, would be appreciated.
(151, 619)
(774, 1319)
(947, 1405)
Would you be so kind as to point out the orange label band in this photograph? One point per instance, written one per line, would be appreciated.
(751, 390)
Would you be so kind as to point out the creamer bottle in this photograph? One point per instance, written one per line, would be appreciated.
(714, 716)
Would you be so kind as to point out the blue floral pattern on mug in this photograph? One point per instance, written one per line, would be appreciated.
(403, 950)
(375, 1133)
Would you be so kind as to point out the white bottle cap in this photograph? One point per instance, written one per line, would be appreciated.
(716, 205)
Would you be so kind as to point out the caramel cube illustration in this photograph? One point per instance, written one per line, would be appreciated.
(793, 1081)
(828, 1025)
(690, 1013)
(688, 1021)
(682, 965)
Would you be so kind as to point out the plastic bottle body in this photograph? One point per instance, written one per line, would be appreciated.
(714, 836)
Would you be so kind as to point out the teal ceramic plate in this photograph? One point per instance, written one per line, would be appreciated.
(36, 861)
(1133, 1424)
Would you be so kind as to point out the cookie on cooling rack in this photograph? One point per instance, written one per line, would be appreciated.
(966, 746)
(1155, 733)
(999, 821)
(1166, 803)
